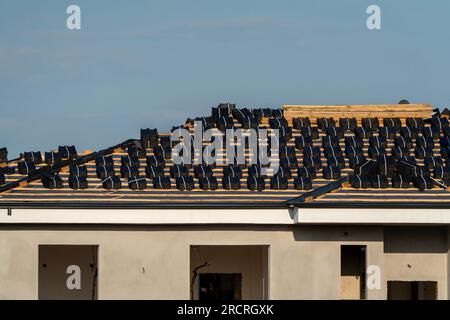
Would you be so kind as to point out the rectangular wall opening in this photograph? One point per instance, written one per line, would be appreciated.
(412, 290)
(224, 273)
(68, 272)
(353, 272)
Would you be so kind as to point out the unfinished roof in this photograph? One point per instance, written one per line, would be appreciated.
(352, 155)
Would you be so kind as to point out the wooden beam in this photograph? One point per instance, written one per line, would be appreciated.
(401, 111)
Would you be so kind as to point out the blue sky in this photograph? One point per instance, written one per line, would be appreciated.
(154, 63)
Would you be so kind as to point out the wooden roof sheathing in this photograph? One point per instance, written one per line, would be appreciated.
(34, 192)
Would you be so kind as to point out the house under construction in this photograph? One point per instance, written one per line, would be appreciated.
(359, 209)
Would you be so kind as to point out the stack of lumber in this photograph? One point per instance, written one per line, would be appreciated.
(401, 111)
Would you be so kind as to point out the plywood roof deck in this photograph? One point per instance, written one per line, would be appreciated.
(34, 192)
(401, 111)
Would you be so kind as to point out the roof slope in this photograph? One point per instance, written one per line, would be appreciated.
(22, 189)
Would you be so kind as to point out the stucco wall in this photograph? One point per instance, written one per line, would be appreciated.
(417, 253)
(154, 262)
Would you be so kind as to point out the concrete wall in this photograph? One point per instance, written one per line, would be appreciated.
(448, 262)
(154, 262)
(417, 253)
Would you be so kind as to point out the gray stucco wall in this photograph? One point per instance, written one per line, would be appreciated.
(154, 262)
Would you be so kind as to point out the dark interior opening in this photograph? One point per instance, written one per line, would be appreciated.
(412, 290)
(220, 286)
(68, 272)
(353, 272)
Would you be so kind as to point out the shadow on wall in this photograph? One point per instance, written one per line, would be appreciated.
(415, 239)
(338, 233)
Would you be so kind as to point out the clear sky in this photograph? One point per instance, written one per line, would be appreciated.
(144, 63)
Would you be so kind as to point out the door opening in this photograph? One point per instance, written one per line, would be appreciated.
(353, 272)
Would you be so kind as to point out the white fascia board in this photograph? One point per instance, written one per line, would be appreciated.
(371, 216)
(146, 216)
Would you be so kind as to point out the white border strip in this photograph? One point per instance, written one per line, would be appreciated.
(372, 216)
(226, 216)
(147, 216)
